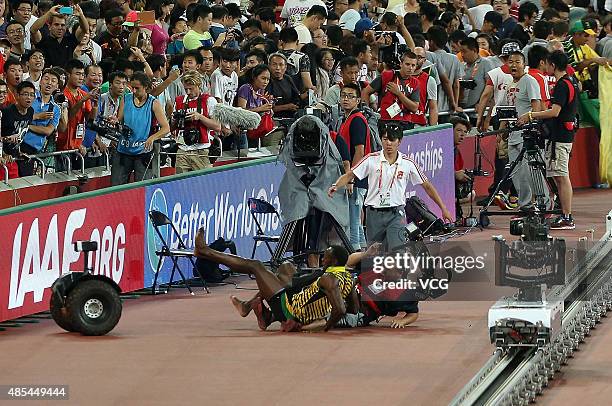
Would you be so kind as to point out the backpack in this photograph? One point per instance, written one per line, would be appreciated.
(209, 270)
(371, 117)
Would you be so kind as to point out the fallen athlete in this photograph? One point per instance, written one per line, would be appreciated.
(294, 308)
(369, 307)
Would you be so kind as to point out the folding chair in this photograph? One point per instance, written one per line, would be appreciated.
(159, 219)
(258, 206)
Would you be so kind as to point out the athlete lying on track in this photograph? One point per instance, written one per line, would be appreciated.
(293, 307)
(359, 313)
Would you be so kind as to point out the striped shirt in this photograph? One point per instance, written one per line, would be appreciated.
(577, 54)
(311, 303)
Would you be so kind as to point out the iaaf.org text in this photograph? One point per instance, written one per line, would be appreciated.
(409, 262)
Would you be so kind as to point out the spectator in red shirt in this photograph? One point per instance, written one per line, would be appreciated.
(82, 106)
(13, 76)
(537, 68)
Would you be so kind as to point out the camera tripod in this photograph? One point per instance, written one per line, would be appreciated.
(537, 170)
(296, 233)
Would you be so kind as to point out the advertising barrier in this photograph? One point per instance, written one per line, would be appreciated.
(218, 203)
(38, 238)
(38, 247)
(432, 149)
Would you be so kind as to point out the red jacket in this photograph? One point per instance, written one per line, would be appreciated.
(389, 98)
(346, 134)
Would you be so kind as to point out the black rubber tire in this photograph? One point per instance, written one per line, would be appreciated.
(60, 315)
(106, 294)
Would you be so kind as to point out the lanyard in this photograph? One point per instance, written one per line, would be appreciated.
(380, 180)
(474, 69)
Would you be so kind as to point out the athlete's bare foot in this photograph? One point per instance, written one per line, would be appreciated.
(257, 306)
(403, 321)
(243, 307)
(201, 249)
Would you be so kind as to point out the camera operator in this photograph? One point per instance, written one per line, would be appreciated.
(193, 125)
(108, 107)
(44, 120)
(472, 84)
(561, 122)
(398, 92)
(137, 111)
(524, 94)
(82, 106)
(388, 173)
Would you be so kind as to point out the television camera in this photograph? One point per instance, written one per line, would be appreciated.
(111, 130)
(390, 50)
(191, 134)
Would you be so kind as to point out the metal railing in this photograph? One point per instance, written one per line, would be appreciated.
(6, 173)
(63, 154)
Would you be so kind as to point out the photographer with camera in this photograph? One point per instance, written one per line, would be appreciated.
(191, 120)
(561, 121)
(388, 172)
(138, 111)
(108, 107)
(398, 92)
(524, 95)
(473, 82)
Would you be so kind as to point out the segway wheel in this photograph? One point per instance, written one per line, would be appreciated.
(484, 220)
(94, 307)
(60, 315)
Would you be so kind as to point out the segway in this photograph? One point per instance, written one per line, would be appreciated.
(83, 302)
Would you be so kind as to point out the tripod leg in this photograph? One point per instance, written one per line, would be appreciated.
(504, 178)
(537, 169)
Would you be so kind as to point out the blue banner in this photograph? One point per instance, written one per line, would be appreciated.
(217, 202)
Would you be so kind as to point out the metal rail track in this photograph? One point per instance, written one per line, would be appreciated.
(516, 376)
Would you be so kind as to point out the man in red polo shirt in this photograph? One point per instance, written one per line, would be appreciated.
(82, 106)
(398, 92)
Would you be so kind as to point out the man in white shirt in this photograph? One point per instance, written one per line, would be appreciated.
(351, 16)
(223, 87)
(478, 12)
(315, 17)
(294, 11)
(388, 172)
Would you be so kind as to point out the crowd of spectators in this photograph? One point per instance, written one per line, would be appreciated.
(161, 67)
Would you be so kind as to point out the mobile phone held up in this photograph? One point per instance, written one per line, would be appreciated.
(66, 11)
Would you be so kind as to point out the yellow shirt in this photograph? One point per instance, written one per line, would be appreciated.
(577, 54)
(311, 304)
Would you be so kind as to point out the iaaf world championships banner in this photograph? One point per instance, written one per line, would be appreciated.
(433, 152)
(216, 202)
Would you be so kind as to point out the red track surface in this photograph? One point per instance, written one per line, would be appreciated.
(177, 350)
